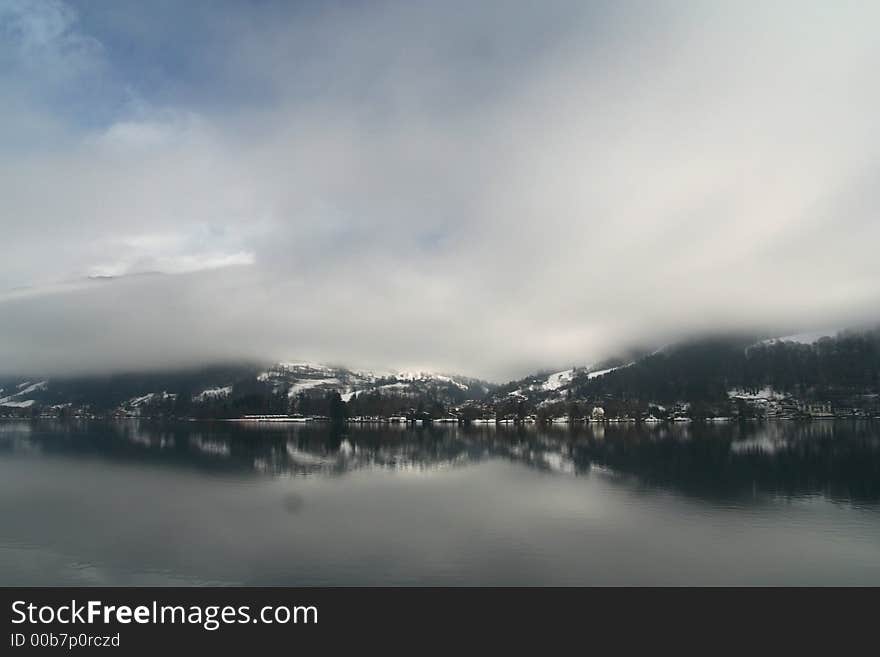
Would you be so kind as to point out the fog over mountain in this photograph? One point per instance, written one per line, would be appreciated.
(485, 188)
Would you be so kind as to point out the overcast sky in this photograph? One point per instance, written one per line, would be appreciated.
(476, 187)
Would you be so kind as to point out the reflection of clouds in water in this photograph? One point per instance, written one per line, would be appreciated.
(15, 437)
(787, 457)
(148, 440)
(210, 446)
(33, 564)
(14, 427)
(762, 444)
(302, 457)
(561, 463)
(293, 502)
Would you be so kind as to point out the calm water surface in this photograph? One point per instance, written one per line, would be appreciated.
(193, 503)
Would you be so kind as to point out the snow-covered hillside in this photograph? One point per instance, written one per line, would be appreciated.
(213, 393)
(548, 388)
(803, 338)
(300, 377)
(227, 387)
(557, 380)
(23, 390)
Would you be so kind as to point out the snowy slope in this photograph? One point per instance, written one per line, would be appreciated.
(304, 376)
(213, 393)
(559, 379)
(803, 338)
(19, 398)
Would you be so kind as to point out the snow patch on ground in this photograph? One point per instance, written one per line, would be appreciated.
(395, 386)
(764, 393)
(300, 386)
(557, 380)
(303, 366)
(33, 387)
(803, 338)
(428, 377)
(598, 373)
(149, 398)
(214, 393)
(24, 389)
(19, 404)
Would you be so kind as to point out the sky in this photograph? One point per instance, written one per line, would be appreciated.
(485, 188)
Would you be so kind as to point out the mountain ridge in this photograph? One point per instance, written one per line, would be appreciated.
(712, 370)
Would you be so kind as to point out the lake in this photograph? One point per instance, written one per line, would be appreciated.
(135, 503)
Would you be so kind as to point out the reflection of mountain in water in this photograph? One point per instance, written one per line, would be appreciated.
(838, 460)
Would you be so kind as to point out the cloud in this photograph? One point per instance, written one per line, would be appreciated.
(47, 30)
(465, 187)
